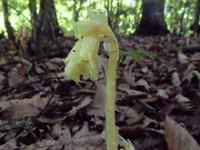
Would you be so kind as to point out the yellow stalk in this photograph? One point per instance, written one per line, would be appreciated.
(83, 60)
(112, 138)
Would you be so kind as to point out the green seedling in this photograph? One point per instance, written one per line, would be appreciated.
(83, 61)
(137, 55)
(179, 50)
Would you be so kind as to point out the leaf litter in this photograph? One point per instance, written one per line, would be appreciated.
(158, 79)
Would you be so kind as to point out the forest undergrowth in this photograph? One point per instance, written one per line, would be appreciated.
(158, 97)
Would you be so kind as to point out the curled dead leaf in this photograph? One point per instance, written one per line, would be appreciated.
(178, 138)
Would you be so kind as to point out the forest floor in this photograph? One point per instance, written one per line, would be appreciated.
(157, 105)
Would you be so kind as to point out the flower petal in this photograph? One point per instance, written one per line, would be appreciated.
(100, 17)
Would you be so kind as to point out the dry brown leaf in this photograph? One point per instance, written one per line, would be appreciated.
(183, 59)
(181, 98)
(163, 93)
(10, 145)
(50, 119)
(45, 144)
(144, 84)
(196, 57)
(38, 69)
(63, 132)
(131, 116)
(150, 99)
(20, 111)
(15, 78)
(2, 79)
(93, 142)
(145, 69)
(178, 138)
(84, 103)
(175, 79)
(128, 77)
(15, 109)
(39, 100)
(131, 92)
(85, 140)
(147, 121)
(51, 66)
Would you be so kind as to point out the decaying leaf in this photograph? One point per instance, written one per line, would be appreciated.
(193, 77)
(20, 111)
(178, 138)
(15, 109)
(15, 77)
(181, 98)
(175, 79)
(144, 84)
(84, 103)
(183, 59)
(163, 93)
(2, 79)
(11, 144)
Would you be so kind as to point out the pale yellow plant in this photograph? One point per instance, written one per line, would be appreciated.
(83, 60)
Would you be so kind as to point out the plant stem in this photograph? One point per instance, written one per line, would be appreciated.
(112, 138)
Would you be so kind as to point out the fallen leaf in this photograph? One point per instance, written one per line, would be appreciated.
(181, 98)
(163, 93)
(2, 79)
(144, 84)
(175, 79)
(11, 144)
(63, 132)
(178, 138)
(131, 92)
(183, 59)
(150, 99)
(15, 78)
(20, 111)
(15, 109)
(51, 66)
(131, 116)
(38, 69)
(84, 103)
(128, 77)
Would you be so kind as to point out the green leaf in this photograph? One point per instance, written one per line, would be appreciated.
(178, 49)
(100, 17)
(122, 53)
(136, 55)
(146, 53)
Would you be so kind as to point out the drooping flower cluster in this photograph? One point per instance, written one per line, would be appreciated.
(83, 58)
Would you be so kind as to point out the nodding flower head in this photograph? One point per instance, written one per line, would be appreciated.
(83, 58)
